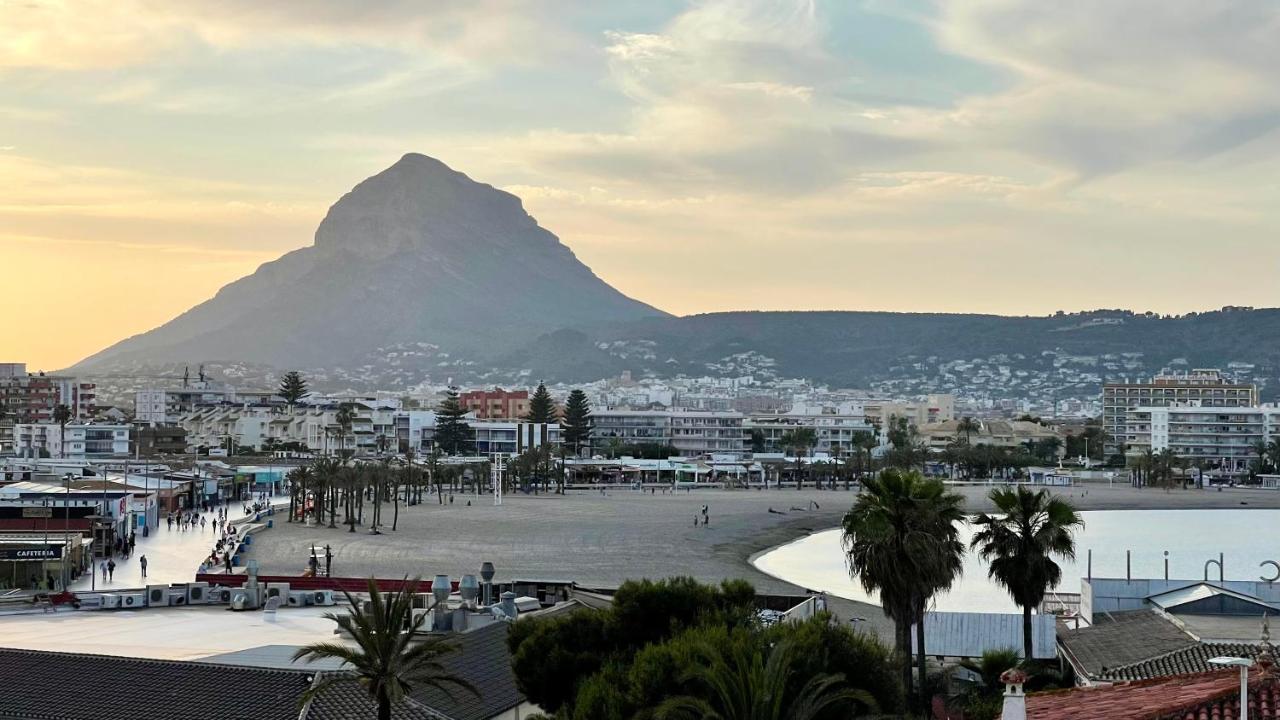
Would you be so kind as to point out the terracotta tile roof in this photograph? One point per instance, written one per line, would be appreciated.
(1121, 639)
(1204, 696)
(1194, 659)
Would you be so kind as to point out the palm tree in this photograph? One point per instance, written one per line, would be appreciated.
(1019, 543)
(902, 540)
(345, 417)
(799, 440)
(385, 660)
(299, 478)
(62, 416)
(746, 683)
(968, 426)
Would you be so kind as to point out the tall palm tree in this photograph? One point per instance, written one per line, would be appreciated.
(1019, 542)
(299, 478)
(902, 541)
(345, 418)
(386, 660)
(748, 683)
(799, 441)
(968, 426)
(62, 416)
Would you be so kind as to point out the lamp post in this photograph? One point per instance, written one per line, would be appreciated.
(1243, 664)
(66, 531)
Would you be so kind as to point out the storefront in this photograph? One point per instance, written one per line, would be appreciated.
(29, 561)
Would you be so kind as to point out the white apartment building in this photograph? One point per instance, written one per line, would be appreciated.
(315, 427)
(1205, 387)
(690, 432)
(165, 406)
(834, 424)
(81, 440)
(1218, 438)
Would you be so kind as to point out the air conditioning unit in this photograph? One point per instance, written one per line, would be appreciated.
(220, 595)
(110, 601)
(242, 599)
(157, 595)
(197, 593)
(322, 597)
(299, 598)
(134, 600)
(278, 590)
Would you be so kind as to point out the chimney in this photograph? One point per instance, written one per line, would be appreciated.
(1015, 701)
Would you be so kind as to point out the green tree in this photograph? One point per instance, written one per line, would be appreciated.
(752, 683)
(902, 541)
(62, 416)
(1019, 542)
(385, 660)
(968, 426)
(757, 440)
(453, 434)
(576, 428)
(542, 409)
(345, 419)
(293, 387)
(799, 441)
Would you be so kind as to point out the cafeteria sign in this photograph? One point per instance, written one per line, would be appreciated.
(48, 552)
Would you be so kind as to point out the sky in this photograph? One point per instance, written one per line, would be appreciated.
(979, 156)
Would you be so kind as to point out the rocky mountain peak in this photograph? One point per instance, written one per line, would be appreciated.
(420, 204)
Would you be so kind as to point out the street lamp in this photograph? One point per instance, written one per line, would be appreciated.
(1243, 664)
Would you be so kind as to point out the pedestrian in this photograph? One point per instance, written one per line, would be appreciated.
(111, 570)
(226, 558)
(215, 526)
(202, 522)
(104, 571)
(142, 563)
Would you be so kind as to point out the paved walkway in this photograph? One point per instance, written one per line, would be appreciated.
(172, 555)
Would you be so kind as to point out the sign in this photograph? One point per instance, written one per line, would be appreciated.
(47, 552)
(37, 512)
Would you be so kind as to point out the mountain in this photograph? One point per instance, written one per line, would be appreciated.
(418, 256)
(1068, 354)
(421, 275)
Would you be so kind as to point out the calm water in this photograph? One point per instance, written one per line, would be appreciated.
(1245, 537)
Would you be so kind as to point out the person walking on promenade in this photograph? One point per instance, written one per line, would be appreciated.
(202, 523)
(111, 571)
(142, 563)
(104, 570)
(226, 558)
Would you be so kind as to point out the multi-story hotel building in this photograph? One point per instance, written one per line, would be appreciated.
(690, 432)
(834, 425)
(1206, 388)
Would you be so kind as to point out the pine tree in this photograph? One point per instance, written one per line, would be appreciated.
(453, 434)
(577, 421)
(542, 409)
(293, 387)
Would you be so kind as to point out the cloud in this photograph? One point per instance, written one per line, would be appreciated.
(95, 34)
(1103, 87)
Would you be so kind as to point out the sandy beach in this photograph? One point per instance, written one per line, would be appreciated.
(601, 540)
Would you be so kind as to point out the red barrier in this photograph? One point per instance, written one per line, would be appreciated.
(298, 582)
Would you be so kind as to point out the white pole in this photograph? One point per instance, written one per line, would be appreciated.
(1244, 692)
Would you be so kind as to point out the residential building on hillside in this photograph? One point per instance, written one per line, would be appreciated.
(77, 441)
(834, 425)
(496, 404)
(1207, 387)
